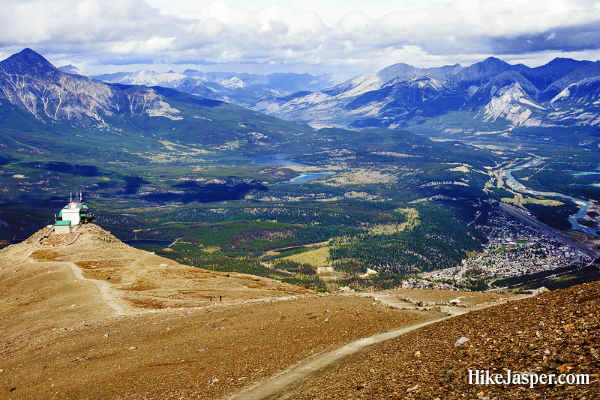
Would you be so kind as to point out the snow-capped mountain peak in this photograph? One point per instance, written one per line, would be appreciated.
(511, 103)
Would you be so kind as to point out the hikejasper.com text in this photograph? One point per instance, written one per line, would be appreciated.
(483, 377)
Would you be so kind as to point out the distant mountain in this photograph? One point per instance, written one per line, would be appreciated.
(238, 88)
(491, 91)
(71, 69)
(30, 82)
(87, 118)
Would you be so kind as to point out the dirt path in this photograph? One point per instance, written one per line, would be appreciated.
(106, 292)
(318, 362)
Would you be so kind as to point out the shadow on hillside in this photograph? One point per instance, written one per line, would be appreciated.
(190, 192)
(133, 184)
(6, 160)
(66, 168)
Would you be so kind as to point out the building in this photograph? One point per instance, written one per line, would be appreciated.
(62, 227)
(72, 214)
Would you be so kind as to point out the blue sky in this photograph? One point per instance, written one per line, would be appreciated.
(347, 37)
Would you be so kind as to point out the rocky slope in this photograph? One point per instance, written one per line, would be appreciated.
(135, 279)
(98, 319)
(554, 333)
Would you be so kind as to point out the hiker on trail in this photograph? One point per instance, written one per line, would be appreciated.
(210, 298)
(220, 298)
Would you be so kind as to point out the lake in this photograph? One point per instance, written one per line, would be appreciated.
(281, 159)
(303, 178)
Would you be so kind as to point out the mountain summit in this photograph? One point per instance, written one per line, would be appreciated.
(32, 84)
(28, 62)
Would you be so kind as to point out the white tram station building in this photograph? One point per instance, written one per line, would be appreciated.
(73, 214)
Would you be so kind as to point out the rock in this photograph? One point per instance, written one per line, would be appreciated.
(461, 341)
(412, 388)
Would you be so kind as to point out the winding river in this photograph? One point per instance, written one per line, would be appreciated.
(583, 204)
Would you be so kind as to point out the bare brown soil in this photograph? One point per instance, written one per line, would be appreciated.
(554, 333)
(151, 331)
(58, 239)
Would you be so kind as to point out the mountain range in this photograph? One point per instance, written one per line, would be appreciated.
(38, 98)
(238, 88)
(491, 95)
(564, 92)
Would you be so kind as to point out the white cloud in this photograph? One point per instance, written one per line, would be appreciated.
(351, 35)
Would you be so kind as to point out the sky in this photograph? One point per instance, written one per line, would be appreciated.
(342, 37)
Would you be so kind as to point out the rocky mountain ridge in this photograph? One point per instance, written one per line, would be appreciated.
(491, 95)
(553, 333)
(31, 83)
(563, 92)
(238, 88)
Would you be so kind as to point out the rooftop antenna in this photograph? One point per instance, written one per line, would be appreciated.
(70, 197)
(80, 197)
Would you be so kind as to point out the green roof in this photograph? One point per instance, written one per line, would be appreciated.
(62, 223)
(84, 207)
(65, 207)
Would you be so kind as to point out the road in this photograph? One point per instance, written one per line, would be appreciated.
(520, 214)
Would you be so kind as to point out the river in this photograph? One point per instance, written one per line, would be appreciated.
(583, 204)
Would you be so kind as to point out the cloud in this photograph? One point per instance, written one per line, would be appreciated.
(564, 39)
(354, 35)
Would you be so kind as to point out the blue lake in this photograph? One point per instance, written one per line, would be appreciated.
(281, 159)
(303, 178)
